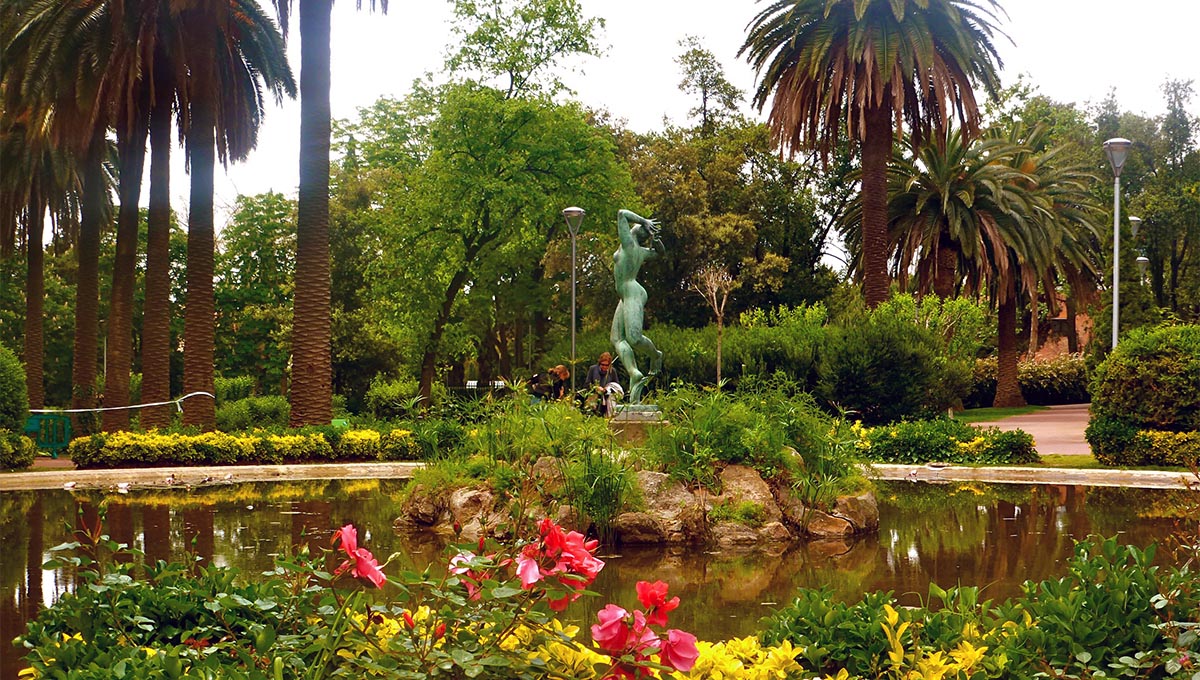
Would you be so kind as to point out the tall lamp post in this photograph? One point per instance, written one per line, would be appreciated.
(1117, 150)
(574, 218)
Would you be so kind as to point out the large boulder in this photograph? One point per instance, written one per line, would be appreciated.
(742, 484)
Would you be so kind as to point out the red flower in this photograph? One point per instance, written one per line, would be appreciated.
(653, 597)
(679, 650)
(441, 630)
(408, 620)
(612, 632)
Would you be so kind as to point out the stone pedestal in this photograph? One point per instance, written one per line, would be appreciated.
(632, 422)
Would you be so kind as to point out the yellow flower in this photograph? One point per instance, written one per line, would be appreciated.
(967, 655)
(842, 674)
(934, 667)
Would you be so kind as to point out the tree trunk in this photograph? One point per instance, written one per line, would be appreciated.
(131, 146)
(1008, 390)
(876, 149)
(429, 358)
(1034, 335)
(947, 267)
(720, 340)
(312, 368)
(35, 293)
(156, 318)
(198, 322)
(1072, 327)
(87, 286)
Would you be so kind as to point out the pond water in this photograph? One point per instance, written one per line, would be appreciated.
(992, 536)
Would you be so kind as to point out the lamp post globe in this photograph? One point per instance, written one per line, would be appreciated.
(574, 218)
(1117, 150)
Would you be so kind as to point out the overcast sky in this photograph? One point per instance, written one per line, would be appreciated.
(1072, 50)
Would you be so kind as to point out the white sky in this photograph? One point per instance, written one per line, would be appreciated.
(1072, 50)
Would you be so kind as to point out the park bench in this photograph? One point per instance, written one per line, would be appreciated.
(50, 431)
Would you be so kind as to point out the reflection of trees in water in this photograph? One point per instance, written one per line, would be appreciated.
(993, 536)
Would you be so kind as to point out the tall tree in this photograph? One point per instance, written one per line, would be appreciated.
(312, 373)
(236, 51)
(869, 64)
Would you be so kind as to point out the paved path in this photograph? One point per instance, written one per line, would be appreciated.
(1058, 429)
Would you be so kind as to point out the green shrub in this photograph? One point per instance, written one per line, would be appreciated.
(1061, 380)
(233, 389)
(392, 399)
(1108, 612)
(252, 412)
(948, 441)
(125, 449)
(1152, 379)
(14, 403)
(1117, 443)
(16, 451)
(884, 368)
(746, 512)
(399, 444)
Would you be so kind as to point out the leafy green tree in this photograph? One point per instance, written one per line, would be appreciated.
(255, 269)
(865, 64)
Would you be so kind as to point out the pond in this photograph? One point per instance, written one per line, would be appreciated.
(992, 536)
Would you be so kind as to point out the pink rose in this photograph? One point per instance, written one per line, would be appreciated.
(612, 632)
(679, 650)
(653, 597)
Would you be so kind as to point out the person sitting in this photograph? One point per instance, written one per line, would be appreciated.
(599, 377)
(602, 372)
(559, 385)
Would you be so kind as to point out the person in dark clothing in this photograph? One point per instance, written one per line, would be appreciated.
(598, 377)
(559, 382)
(601, 373)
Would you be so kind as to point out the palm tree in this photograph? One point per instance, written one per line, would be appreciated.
(38, 179)
(869, 63)
(311, 394)
(947, 209)
(54, 59)
(234, 50)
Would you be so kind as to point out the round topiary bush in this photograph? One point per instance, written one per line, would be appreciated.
(14, 403)
(1152, 380)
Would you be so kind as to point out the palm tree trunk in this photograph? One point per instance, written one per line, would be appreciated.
(947, 264)
(312, 371)
(131, 146)
(199, 326)
(156, 319)
(1008, 390)
(1034, 335)
(877, 148)
(87, 285)
(35, 292)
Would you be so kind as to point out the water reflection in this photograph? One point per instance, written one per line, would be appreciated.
(992, 536)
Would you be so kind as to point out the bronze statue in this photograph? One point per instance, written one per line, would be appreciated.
(638, 244)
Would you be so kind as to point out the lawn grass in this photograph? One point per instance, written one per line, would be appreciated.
(1071, 461)
(989, 414)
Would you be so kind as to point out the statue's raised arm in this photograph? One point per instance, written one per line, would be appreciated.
(639, 241)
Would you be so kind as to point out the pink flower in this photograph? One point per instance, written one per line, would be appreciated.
(362, 563)
(612, 632)
(527, 567)
(679, 650)
(653, 597)
(348, 536)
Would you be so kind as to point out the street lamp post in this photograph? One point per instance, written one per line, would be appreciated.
(1117, 150)
(574, 218)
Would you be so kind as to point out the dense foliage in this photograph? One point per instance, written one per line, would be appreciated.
(1044, 382)
(1113, 613)
(945, 440)
(16, 451)
(14, 406)
(1152, 380)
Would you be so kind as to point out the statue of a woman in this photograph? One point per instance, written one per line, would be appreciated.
(638, 244)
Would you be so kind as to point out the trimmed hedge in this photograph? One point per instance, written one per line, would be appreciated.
(1062, 380)
(1152, 380)
(1118, 443)
(16, 451)
(947, 441)
(124, 449)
